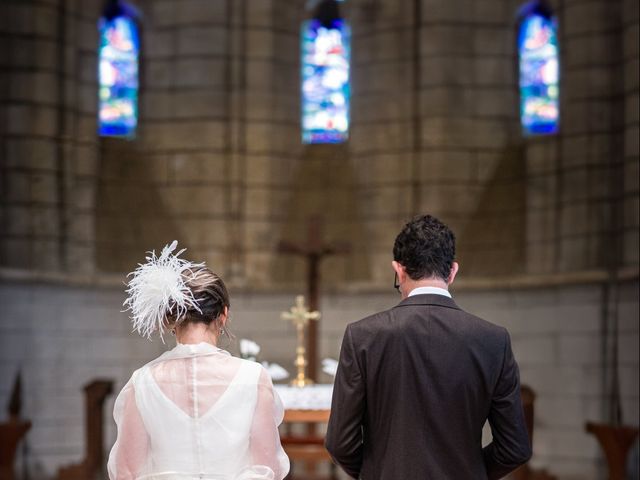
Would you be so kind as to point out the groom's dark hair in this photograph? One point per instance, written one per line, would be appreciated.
(426, 248)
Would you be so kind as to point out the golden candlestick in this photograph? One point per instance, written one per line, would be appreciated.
(299, 315)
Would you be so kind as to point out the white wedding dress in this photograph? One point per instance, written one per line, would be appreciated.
(196, 412)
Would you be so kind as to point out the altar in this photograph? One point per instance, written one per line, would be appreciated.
(310, 406)
(309, 398)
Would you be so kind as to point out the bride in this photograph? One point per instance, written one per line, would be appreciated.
(195, 412)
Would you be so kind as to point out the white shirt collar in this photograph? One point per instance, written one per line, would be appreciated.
(429, 290)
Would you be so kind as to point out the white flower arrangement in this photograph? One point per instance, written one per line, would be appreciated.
(249, 349)
(330, 366)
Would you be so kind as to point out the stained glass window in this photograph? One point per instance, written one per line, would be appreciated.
(325, 81)
(539, 72)
(118, 75)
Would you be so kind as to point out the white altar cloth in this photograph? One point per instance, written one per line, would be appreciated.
(313, 397)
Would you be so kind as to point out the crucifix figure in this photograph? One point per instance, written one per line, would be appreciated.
(313, 250)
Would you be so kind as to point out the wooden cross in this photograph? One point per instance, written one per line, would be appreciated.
(314, 251)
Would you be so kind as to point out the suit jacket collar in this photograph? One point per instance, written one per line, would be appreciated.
(429, 299)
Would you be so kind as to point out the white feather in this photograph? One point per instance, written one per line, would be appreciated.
(158, 288)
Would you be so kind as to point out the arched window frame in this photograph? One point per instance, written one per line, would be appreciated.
(126, 123)
(316, 97)
(529, 125)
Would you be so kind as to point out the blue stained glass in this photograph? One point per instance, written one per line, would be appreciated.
(325, 82)
(118, 75)
(539, 74)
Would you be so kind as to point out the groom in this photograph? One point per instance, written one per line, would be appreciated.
(416, 383)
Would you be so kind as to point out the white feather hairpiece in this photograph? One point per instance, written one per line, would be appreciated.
(158, 288)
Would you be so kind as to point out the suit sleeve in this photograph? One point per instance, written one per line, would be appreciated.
(510, 447)
(344, 432)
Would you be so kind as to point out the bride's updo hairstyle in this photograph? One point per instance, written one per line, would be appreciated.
(211, 296)
(168, 291)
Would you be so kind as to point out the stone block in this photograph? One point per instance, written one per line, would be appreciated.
(198, 72)
(159, 44)
(167, 13)
(261, 14)
(631, 74)
(260, 75)
(496, 102)
(446, 71)
(82, 228)
(534, 350)
(491, 133)
(632, 108)
(45, 254)
(493, 40)
(631, 176)
(380, 137)
(31, 153)
(194, 200)
(384, 47)
(574, 219)
(88, 66)
(540, 226)
(259, 43)
(160, 73)
(496, 71)
(447, 166)
(579, 350)
(17, 221)
(18, 187)
(16, 253)
(202, 11)
(84, 196)
(590, 17)
(434, 11)
(198, 168)
(630, 10)
(88, 34)
(576, 118)
(631, 245)
(490, 12)
(631, 39)
(588, 83)
(631, 212)
(44, 221)
(44, 188)
(631, 142)
(183, 136)
(87, 99)
(445, 101)
(30, 119)
(202, 41)
(200, 104)
(36, 87)
(16, 19)
(574, 254)
(448, 132)
(447, 40)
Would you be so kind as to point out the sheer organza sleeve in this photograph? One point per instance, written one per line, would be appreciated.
(129, 454)
(266, 450)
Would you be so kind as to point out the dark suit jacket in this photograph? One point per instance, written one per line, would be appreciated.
(414, 387)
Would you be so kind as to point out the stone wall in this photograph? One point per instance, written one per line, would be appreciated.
(217, 161)
(49, 147)
(62, 336)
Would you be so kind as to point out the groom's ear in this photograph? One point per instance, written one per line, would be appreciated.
(399, 269)
(452, 274)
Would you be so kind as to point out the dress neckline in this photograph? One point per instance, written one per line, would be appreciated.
(197, 348)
